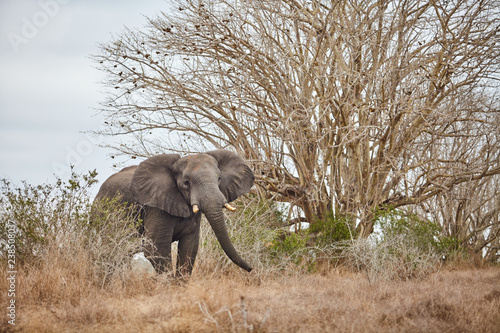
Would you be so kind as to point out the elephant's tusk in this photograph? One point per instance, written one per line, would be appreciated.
(229, 207)
(195, 209)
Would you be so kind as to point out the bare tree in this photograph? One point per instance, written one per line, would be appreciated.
(345, 105)
(470, 213)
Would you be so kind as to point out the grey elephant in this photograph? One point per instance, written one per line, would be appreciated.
(170, 193)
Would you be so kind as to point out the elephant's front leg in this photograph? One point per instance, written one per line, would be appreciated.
(160, 255)
(159, 229)
(186, 253)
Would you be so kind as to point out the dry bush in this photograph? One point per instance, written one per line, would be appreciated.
(403, 247)
(81, 283)
(65, 247)
(389, 260)
(97, 260)
(252, 228)
(57, 224)
(448, 301)
(257, 232)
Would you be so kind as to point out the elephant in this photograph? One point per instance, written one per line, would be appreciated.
(171, 192)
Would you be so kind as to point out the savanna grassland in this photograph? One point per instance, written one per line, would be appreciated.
(73, 263)
(361, 116)
(450, 300)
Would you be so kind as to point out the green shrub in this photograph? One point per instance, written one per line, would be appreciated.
(289, 245)
(43, 212)
(403, 246)
(307, 248)
(335, 227)
(59, 221)
(424, 235)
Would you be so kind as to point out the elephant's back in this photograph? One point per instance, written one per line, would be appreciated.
(118, 184)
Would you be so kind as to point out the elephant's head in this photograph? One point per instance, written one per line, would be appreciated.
(206, 182)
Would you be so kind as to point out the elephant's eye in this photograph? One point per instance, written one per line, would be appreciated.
(186, 183)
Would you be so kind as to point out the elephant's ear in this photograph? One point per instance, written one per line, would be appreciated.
(236, 177)
(153, 184)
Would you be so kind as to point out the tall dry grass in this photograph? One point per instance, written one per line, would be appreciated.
(62, 292)
(77, 278)
(234, 301)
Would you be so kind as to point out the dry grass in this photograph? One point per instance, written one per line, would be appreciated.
(77, 279)
(233, 301)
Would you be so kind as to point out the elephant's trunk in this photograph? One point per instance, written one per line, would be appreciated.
(215, 217)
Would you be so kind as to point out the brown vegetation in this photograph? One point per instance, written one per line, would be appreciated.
(347, 105)
(452, 300)
(77, 277)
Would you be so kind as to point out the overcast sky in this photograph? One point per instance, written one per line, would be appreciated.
(49, 88)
